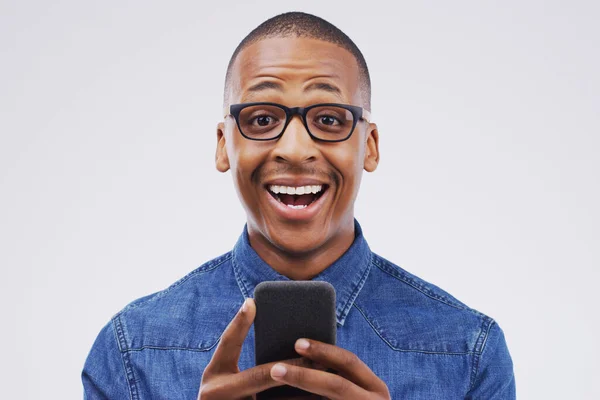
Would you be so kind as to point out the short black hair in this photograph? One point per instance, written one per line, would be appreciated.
(301, 24)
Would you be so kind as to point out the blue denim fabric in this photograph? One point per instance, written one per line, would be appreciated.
(420, 340)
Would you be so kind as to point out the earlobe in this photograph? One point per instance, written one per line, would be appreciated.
(221, 158)
(371, 148)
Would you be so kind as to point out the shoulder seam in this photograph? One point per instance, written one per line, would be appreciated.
(415, 285)
(209, 266)
(117, 335)
(488, 323)
(423, 351)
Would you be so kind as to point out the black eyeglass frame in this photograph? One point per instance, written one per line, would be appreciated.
(358, 113)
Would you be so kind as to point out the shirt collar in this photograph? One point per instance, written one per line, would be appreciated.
(347, 275)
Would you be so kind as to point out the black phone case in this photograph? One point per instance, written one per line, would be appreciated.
(285, 312)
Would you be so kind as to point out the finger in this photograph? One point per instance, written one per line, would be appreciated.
(345, 362)
(318, 382)
(228, 351)
(245, 383)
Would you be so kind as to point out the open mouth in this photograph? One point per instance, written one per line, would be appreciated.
(297, 197)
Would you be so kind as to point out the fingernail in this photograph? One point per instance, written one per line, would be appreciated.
(244, 306)
(278, 370)
(302, 344)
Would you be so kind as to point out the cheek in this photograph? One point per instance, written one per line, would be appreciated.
(346, 159)
(238, 154)
(245, 158)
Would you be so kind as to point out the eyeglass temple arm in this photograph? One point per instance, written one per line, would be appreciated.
(366, 115)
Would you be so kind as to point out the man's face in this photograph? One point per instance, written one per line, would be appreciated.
(296, 72)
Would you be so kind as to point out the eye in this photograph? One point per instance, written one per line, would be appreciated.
(263, 120)
(328, 120)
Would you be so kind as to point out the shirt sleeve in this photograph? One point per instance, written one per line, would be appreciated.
(494, 379)
(103, 374)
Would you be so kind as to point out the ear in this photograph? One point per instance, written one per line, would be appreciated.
(371, 148)
(221, 158)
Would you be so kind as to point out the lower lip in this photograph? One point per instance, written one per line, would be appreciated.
(297, 214)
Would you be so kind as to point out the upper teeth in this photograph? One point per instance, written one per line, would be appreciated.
(296, 190)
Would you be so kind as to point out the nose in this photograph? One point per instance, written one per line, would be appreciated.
(295, 146)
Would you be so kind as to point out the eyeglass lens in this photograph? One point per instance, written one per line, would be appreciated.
(268, 121)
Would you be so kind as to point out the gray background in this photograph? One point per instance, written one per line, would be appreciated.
(488, 183)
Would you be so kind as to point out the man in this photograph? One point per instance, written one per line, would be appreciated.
(296, 163)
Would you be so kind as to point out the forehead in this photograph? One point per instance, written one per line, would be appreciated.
(295, 65)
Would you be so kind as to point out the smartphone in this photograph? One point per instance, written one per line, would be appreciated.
(285, 312)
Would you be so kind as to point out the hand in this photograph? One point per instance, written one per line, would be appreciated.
(354, 381)
(222, 378)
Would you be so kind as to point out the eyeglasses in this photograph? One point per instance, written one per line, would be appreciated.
(328, 122)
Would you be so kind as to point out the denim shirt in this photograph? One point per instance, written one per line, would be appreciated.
(422, 342)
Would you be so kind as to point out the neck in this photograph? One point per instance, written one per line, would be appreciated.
(302, 265)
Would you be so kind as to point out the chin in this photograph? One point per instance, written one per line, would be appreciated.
(298, 238)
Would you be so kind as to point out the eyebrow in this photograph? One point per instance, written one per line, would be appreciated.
(324, 86)
(265, 85)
